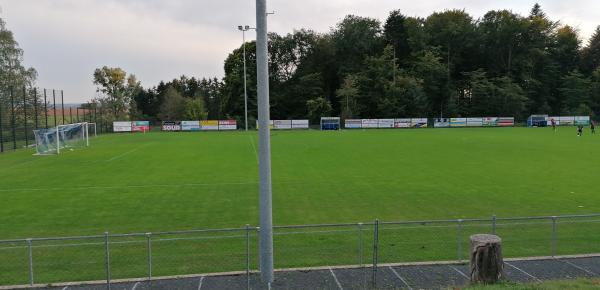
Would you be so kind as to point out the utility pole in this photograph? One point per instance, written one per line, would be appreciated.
(264, 141)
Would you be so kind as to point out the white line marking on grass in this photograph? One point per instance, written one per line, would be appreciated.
(22, 163)
(253, 147)
(127, 153)
(200, 284)
(65, 288)
(336, 279)
(519, 269)
(459, 272)
(578, 267)
(135, 285)
(137, 186)
(400, 277)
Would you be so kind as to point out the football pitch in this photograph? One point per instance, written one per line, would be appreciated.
(169, 181)
(163, 181)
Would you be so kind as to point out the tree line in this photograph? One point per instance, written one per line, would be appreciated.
(447, 64)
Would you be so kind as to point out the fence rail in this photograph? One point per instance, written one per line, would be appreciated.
(362, 245)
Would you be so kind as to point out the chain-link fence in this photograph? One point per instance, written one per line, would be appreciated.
(23, 110)
(362, 246)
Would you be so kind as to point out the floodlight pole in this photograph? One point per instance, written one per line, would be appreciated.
(264, 141)
(243, 29)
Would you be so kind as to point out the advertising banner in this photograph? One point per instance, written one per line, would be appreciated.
(171, 126)
(226, 125)
(490, 121)
(370, 123)
(402, 123)
(582, 120)
(299, 124)
(353, 123)
(506, 121)
(121, 126)
(458, 122)
(386, 123)
(418, 122)
(441, 123)
(190, 125)
(556, 121)
(567, 121)
(140, 126)
(209, 125)
(270, 124)
(282, 124)
(474, 122)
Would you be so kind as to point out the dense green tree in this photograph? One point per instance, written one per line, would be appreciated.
(356, 38)
(348, 95)
(576, 91)
(447, 64)
(454, 33)
(429, 67)
(502, 34)
(317, 108)
(118, 90)
(174, 106)
(12, 71)
(590, 59)
(195, 109)
(396, 34)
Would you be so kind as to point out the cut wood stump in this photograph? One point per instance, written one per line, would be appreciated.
(487, 266)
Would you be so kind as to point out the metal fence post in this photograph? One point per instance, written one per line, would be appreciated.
(101, 122)
(494, 224)
(247, 256)
(1, 130)
(35, 107)
(459, 240)
(149, 240)
(258, 248)
(360, 244)
(46, 108)
(13, 120)
(62, 105)
(107, 260)
(360, 254)
(54, 105)
(30, 254)
(375, 251)
(553, 236)
(25, 116)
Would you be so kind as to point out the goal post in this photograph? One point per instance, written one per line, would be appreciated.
(54, 140)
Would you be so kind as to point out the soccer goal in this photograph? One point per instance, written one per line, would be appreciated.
(53, 140)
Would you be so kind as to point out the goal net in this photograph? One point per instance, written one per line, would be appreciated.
(53, 140)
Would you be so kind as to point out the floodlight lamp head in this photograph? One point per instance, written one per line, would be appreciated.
(240, 27)
(247, 27)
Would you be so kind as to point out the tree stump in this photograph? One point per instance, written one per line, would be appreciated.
(487, 266)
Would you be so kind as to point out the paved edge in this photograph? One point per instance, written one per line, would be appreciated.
(237, 273)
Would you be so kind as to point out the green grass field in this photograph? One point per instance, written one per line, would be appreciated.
(178, 181)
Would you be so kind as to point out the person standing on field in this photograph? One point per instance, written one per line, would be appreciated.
(593, 127)
(579, 130)
(553, 122)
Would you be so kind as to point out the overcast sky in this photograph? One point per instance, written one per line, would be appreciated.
(65, 40)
